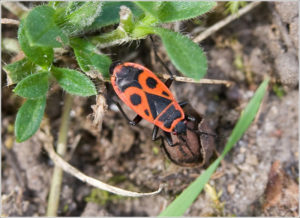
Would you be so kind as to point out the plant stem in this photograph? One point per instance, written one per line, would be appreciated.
(53, 201)
(126, 31)
(115, 37)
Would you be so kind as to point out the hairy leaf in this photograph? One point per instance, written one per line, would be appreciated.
(80, 15)
(89, 59)
(74, 82)
(186, 55)
(19, 70)
(42, 56)
(170, 11)
(33, 86)
(29, 118)
(42, 30)
(110, 14)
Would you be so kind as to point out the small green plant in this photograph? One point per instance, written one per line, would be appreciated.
(102, 197)
(233, 6)
(59, 24)
(278, 90)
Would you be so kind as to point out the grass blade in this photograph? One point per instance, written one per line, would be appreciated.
(187, 197)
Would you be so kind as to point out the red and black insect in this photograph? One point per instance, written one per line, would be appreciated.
(149, 97)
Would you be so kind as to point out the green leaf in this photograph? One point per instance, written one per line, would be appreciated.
(170, 11)
(57, 4)
(246, 117)
(74, 82)
(29, 118)
(33, 86)
(80, 15)
(42, 30)
(186, 55)
(187, 197)
(42, 56)
(89, 59)
(73, 6)
(19, 70)
(110, 14)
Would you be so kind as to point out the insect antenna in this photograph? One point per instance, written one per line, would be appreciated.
(159, 59)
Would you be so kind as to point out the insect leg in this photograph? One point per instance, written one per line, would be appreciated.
(169, 81)
(169, 138)
(160, 60)
(154, 133)
(181, 138)
(136, 120)
(133, 122)
(187, 116)
(183, 103)
(190, 118)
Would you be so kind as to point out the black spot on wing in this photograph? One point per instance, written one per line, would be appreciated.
(128, 77)
(157, 104)
(165, 93)
(147, 112)
(169, 116)
(135, 99)
(151, 83)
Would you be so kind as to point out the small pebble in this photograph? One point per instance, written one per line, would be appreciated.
(231, 188)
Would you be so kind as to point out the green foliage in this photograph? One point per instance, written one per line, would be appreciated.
(187, 56)
(29, 118)
(88, 58)
(110, 14)
(42, 30)
(233, 6)
(278, 90)
(74, 82)
(61, 25)
(39, 55)
(80, 15)
(187, 197)
(168, 11)
(19, 70)
(101, 197)
(33, 86)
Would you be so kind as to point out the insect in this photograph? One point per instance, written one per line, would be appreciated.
(195, 148)
(150, 98)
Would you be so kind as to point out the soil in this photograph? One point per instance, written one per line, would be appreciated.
(259, 176)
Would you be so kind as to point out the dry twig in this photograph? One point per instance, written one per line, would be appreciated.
(214, 28)
(47, 138)
(91, 181)
(9, 21)
(201, 81)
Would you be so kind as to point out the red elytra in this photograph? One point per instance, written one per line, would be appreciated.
(148, 96)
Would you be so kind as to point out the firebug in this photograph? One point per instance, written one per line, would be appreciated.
(141, 90)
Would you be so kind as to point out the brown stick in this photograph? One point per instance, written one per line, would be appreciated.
(89, 180)
(47, 139)
(201, 81)
(214, 28)
(9, 21)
